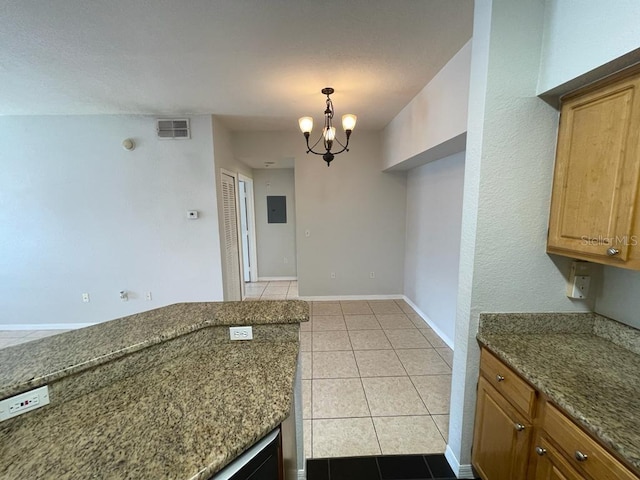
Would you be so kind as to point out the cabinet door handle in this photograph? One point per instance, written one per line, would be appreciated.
(541, 451)
(581, 457)
(612, 252)
(519, 427)
(499, 378)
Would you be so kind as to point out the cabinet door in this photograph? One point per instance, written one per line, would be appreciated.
(501, 438)
(549, 464)
(596, 174)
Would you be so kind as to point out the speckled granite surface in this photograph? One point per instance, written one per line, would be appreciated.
(186, 418)
(27, 366)
(594, 380)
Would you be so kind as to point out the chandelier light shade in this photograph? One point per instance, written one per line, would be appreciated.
(328, 136)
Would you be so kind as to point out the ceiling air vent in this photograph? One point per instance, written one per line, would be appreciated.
(173, 129)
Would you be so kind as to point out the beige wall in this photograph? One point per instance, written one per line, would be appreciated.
(276, 242)
(354, 212)
(355, 216)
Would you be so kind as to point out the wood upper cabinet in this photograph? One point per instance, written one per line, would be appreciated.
(595, 208)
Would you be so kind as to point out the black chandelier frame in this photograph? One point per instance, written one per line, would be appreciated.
(328, 155)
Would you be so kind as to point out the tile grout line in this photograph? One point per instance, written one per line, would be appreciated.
(373, 424)
(422, 400)
(375, 416)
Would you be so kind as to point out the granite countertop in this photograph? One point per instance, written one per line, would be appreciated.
(572, 359)
(39, 362)
(161, 394)
(183, 420)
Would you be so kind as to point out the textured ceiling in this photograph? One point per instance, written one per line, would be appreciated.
(260, 64)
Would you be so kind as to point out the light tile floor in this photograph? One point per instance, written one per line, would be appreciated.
(376, 380)
(277, 290)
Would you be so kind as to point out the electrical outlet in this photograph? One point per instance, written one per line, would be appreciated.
(372, 274)
(85, 298)
(148, 297)
(579, 280)
(333, 274)
(580, 287)
(241, 333)
(24, 402)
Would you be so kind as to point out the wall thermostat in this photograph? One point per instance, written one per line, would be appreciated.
(192, 214)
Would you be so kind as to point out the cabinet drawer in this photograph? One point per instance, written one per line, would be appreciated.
(582, 451)
(508, 383)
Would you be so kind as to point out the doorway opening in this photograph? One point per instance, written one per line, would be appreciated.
(247, 229)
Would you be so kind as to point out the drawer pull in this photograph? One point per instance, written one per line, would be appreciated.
(581, 457)
(519, 427)
(541, 451)
(499, 378)
(612, 252)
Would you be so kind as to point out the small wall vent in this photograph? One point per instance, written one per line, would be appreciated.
(176, 129)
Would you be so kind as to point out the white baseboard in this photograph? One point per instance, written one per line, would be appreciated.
(429, 322)
(46, 326)
(320, 298)
(461, 471)
(277, 279)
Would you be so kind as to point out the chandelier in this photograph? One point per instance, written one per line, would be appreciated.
(329, 131)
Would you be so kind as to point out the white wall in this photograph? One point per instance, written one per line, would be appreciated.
(432, 255)
(508, 175)
(581, 35)
(276, 242)
(81, 214)
(618, 295)
(435, 121)
(355, 215)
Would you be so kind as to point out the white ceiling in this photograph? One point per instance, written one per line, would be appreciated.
(260, 64)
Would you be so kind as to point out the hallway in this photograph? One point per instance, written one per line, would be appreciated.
(376, 380)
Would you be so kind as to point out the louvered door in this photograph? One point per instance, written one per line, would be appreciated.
(233, 291)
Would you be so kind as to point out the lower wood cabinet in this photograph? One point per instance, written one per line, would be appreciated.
(519, 435)
(583, 456)
(503, 433)
(550, 465)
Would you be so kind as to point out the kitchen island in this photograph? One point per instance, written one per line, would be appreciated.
(585, 364)
(161, 394)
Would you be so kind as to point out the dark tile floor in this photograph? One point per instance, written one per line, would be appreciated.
(396, 467)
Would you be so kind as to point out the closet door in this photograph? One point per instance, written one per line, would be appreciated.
(233, 291)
